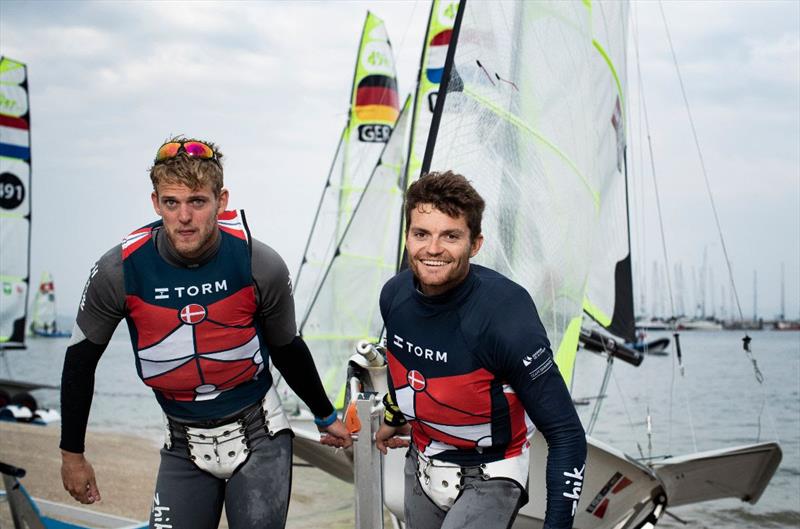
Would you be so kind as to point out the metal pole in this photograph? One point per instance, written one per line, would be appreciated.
(367, 463)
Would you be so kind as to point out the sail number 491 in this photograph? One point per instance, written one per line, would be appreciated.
(12, 192)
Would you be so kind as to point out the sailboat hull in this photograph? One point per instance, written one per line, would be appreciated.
(742, 472)
(618, 491)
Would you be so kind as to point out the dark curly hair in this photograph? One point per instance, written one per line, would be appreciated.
(450, 193)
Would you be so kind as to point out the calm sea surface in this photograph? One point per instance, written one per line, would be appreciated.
(716, 403)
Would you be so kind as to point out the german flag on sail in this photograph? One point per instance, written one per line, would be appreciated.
(376, 99)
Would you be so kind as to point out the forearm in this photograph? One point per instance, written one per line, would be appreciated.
(566, 459)
(554, 415)
(296, 364)
(77, 389)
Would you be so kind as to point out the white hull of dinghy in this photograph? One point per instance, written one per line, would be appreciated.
(618, 492)
(742, 472)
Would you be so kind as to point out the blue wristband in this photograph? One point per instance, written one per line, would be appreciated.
(324, 422)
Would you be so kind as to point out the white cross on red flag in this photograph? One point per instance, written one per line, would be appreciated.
(416, 380)
(192, 314)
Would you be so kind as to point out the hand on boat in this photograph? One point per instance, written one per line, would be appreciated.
(77, 475)
(336, 435)
(387, 437)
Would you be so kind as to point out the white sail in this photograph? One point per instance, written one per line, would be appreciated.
(609, 292)
(343, 310)
(520, 121)
(372, 111)
(15, 202)
(44, 313)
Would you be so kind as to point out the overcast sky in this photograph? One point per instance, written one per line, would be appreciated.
(269, 82)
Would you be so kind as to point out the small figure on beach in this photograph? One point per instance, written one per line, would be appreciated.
(471, 375)
(207, 308)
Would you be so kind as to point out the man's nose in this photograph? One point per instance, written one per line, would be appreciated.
(184, 213)
(435, 246)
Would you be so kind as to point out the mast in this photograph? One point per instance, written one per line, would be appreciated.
(438, 36)
(782, 316)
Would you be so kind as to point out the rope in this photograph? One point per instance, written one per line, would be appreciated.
(756, 371)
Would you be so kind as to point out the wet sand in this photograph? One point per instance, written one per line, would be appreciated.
(126, 468)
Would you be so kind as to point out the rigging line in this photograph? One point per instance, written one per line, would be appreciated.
(304, 259)
(691, 418)
(663, 240)
(627, 413)
(344, 233)
(408, 26)
(603, 390)
(5, 362)
(756, 371)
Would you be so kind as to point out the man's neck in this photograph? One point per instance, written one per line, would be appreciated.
(170, 254)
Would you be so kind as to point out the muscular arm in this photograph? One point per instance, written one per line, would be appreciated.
(77, 389)
(101, 308)
(526, 362)
(289, 352)
(295, 363)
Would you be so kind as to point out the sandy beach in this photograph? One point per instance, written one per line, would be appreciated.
(126, 468)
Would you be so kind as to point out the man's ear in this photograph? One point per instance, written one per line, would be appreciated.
(476, 245)
(156, 205)
(222, 203)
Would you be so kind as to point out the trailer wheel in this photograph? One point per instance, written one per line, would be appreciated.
(25, 399)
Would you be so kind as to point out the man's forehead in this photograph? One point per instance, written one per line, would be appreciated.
(181, 189)
(427, 214)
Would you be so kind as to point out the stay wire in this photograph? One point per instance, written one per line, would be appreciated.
(757, 372)
(663, 237)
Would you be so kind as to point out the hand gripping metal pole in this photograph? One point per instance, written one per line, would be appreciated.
(367, 463)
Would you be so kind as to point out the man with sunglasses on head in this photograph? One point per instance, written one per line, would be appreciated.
(207, 307)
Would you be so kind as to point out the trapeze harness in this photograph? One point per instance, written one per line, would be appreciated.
(197, 345)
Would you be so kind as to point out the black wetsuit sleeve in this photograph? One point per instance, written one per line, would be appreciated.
(296, 364)
(77, 389)
(101, 308)
(288, 352)
(392, 414)
(524, 359)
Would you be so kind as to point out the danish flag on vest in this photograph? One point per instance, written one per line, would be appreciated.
(454, 412)
(197, 337)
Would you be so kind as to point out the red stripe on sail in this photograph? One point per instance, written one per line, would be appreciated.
(371, 95)
(14, 123)
(442, 38)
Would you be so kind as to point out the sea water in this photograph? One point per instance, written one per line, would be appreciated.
(716, 402)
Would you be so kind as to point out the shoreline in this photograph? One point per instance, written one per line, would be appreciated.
(126, 466)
